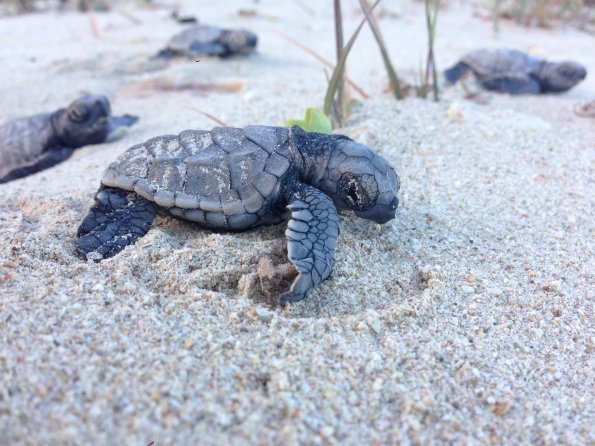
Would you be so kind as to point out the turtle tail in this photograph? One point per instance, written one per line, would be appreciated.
(454, 73)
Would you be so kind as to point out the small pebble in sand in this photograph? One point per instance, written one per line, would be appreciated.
(470, 279)
(494, 291)
(264, 314)
(129, 286)
(455, 112)
(501, 408)
(551, 286)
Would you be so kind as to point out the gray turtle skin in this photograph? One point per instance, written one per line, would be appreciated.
(514, 72)
(204, 40)
(29, 145)
(236, 179)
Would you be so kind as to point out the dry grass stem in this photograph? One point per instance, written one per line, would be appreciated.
(392, 74)
(150, 86)
(320, 59)
(341, 107)
(208, 115)
(332, 86)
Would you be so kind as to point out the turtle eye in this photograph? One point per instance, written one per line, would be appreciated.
(352, 194)
(78, 114)
(566, 70)
(358, 191)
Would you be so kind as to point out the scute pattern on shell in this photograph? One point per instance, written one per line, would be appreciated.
(22, 140)
(499, 62)
(201, 33)
(209, 177)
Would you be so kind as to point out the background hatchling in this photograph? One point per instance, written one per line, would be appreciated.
(203, 40)
(28, 145)
(514, 72)
(235, 179)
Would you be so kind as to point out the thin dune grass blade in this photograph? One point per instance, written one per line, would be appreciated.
(496, 16)
(392, 74)
(208, 115)
(341, 107)
(431, 20)
(334, 82)
(320, 59)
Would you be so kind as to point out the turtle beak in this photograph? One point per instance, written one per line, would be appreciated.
(380, 213)
(582, 73)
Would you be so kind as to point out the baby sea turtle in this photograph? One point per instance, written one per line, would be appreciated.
(29, 145)
(514, 72)
(203, 40)
(235, 179)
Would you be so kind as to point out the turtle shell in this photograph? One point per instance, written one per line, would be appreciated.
(201, 34)
(226, 177)
(498, 63)
(23, 140)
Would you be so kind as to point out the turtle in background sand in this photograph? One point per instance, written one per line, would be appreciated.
(514, 72)
(235, 179)
(201, 40)
(29, 145)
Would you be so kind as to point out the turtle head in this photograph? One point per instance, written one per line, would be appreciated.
(240, 41)
(85, 121)
(561, 76)
(360, 180)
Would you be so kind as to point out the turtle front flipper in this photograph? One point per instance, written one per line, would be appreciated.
(122, 121)
(117, 126)
(311, 239)
(512, 85)
(117, 219)
(44, 161)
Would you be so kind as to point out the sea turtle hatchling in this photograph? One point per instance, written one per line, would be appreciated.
(235, 179)
(514, 72)
(201, 40)
(29, 145)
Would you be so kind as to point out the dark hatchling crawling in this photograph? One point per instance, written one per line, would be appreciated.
(514, 72)
(29, 145)
(235, 179)
(201, 40)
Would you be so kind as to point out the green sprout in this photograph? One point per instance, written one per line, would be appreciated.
(315, 121)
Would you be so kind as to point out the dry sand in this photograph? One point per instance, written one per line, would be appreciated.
(466, 320)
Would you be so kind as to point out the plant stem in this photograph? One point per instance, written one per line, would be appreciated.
(340, 104)
(431, 20)
(332, 85)
(496, 16)
(392, 74)
(320, 59)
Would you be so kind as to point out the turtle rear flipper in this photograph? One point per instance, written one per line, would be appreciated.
(512, 85)
(456, 72)
(117, 219)
(44, 161)
(311, 239)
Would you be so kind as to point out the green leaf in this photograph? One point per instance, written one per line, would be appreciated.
(315, 121)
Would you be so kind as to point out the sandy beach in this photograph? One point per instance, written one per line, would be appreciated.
(468, 319)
